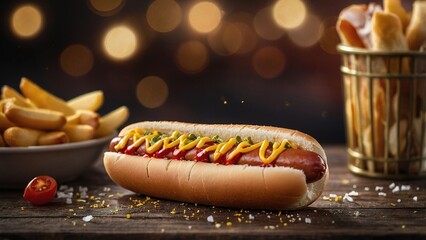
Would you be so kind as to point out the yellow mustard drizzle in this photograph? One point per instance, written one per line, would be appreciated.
(219, 149)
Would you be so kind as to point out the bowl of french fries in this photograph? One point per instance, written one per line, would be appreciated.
(383, 67)
(42, 134)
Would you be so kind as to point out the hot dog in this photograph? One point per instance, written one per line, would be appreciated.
(238, 166)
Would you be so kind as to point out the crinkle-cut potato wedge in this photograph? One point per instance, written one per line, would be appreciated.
(36, 118)
(44, 99)
(21, 137)
(79, 132)
(89, 101)
(9, 92)
(111, 121)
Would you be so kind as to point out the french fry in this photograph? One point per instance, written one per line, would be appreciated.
(5, 123)
(395, 7)
(111, 121)
(21, 137)
(55, 137)
(89, 117)
(8, 92)
(36, 118)
(79, 132)
(44, 99)
(416, 30)
(73, 119)
(2, 142)
(90, 101)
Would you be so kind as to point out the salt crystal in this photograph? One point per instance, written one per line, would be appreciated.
(308, 220)
(210, 219)
(348, 198)
(367, 189)
(415, 198)
(356, 213)
(382, 194)
(251, 217)
(68, 201)
(379, 188)
(392, 185)
(399, 200)
(88, 218)
(332, 195)
(405, 188)
(396, 189)
(353, 193)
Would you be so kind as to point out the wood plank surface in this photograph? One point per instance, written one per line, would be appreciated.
(93, 207)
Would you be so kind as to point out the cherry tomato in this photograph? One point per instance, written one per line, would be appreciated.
(41, 190)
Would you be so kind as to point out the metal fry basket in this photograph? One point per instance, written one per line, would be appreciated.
(385, 109)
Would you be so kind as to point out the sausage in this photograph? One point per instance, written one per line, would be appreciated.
(312, 165)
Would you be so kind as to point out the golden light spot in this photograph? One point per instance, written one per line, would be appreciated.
(164, 15)
(227, 40)
(248, 36)
(152, 92)
(204, 17)
(192, 57)
(120, 42)
(26, 21)
(269, 62)
(76, 60)
(265, 26)
(289, 13)
(106, 7)
(308, 34)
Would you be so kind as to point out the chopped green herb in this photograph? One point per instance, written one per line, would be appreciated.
(239, 139)
(217, 139)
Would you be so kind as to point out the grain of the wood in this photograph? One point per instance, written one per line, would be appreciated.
(351, 207)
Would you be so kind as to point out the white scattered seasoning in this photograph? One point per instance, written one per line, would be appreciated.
(189, 227)
(217, 225)
(391, 186)
(395, 189)
(379, 188)
(308, 220)
(332, 195)
(399, 200)
(348, 198)
(356, 213)
(382, 194)
(354, 186)
(69, 201)
(405, 188)
(367, 189)
(415, 198)
(210, 219)
(353, 193)
(251, 217)
(88, 218)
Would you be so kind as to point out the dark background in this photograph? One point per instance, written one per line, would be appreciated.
(306, 96)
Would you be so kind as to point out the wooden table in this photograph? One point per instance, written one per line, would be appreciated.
(99, 209)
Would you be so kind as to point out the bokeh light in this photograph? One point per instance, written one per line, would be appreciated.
(76, 60)
(152, 92)
(265, 26)
(329, 39)
(269, 62)
(164, 15)
(309, 33)
(204, 17)
(289, 13)
(120, 42)
(249, 38)
(106, 7)
(227, 40)
(26, 21)
(192, 57)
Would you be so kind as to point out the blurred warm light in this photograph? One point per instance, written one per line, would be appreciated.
(265, 26)
(120, 42)
(226, 40)
(106, 7)
(164, 15)
(26, 21)
(152, 92)
(269, 62)
(192, 56)
(76, 60)
(289, 13)
(204, 17)
(309, 33)
(329, 40)
(249, 38)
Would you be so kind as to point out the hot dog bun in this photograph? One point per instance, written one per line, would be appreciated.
(235, 186)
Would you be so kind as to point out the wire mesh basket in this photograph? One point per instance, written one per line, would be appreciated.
(385, 111)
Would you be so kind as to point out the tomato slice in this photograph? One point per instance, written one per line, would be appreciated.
(41, 190)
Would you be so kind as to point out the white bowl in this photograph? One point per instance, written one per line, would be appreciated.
(64, 162)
